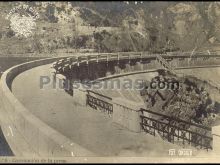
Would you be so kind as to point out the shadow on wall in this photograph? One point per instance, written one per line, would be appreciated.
(5, 150)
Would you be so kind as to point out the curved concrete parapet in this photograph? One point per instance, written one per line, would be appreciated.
(26, 134)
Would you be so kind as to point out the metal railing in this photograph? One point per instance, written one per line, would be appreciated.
(176, 130)
(99, 104)
(99, 57)
(168, 128)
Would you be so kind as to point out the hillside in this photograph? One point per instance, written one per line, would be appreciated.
(114, 26)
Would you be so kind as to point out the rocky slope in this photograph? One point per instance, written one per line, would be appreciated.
(115, 26)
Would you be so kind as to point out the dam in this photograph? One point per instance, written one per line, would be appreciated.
(77, 129)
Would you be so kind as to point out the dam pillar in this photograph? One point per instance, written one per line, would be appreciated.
(117, 69)
(128, 67)
(138, 66)
(83, 72)
(110, 68)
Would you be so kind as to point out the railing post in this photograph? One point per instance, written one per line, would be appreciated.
(78, 61)
(87, 61)
(97, 58)
(107, 58)
(141, 56)
(118, 58)
(129, 58)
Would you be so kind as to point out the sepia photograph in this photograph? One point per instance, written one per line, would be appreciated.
(109, 82)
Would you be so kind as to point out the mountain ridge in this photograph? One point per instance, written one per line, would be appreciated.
(115, 26)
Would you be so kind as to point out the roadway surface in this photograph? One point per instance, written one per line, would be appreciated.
(83, 125)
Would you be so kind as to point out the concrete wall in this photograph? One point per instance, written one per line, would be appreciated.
(127, 114)
(216, 139)
(25, 133)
